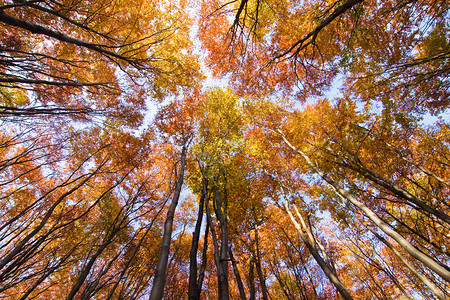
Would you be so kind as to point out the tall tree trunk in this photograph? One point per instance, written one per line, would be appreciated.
(87, 268)
(413, 251)
(237, 275)
(310, 242)
(251, 278)
(356, 165)
(193, 293)
(326, 268)
(201, 273)
(20, 246)
(160, 272)
(216, 247)
(221, 213)
(262, 279)
(47, 273)
(413, 270)
(133, 255)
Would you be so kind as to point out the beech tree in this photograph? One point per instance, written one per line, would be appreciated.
(87, 58)
(250, 149)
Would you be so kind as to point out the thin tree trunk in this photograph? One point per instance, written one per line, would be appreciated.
(22, 244)
(251, 278)
(332, 276)
(202, 270)
(355, 164)
(86, 270)
(237, 275)
(413, 270)
(413, 251)
(160, 272)
(129, 261)
(216, 247)
(193, 292)
(221, 213)
(281, 282)
(262, 279)
(310, 242)
(47, 273)
(428, 172)
(397, 191)
(367, 258)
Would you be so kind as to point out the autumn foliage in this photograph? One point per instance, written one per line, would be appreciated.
(245, 149)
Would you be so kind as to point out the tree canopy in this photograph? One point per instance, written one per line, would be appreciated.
(244, 149)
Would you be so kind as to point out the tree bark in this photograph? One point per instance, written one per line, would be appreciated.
(215, 245)
(202, 270)
(251, 278)
(130, 260)
(310, 242)
(160, 272)
(262, 279)
(38, 29)
(221, 213)
(359, 167)
(87, 269)
(332, 276)
(413, 251)
(193, 293)
(237, 275)
(413, 270)
(22, 244)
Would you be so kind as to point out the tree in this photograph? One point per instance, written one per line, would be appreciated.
(84, 57)
(217, 142)
(160, 272)
(324, 143)
(311, 169)
(60, 222)
(333, 40)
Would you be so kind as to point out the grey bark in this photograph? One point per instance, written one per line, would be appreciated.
(326, 268)
(262, 279)
(193, 293)
(160, 272)
(413, 270)
(413, 251)
(221, 213)
(237, 275)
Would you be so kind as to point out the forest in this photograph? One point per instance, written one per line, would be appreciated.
(224, 149)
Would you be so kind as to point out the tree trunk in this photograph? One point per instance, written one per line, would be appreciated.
(221, 213)
(215, 245)
(87, 269)
(332, 276)
(201, 273)
(262, 279)
(133, 255)
(310, 242)
(413, 251)
(237, 275)
(160, 272)
(251, 278)
(413, 270)
(359, 167)
(193, 293)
